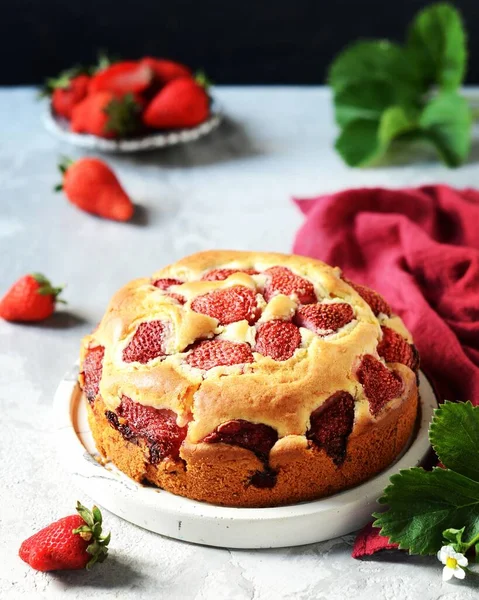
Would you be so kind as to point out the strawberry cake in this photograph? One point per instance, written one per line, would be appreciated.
(250, 379)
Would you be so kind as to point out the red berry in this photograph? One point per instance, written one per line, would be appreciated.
(257, 437)
(371, 297)
(92, 371)
(228, 305)
(331, 425)
(122, 78)
(67, 96)
(31, 298)
(147, 343)
(167, 282)
(157, 427)
(277, 339)
(60, 546)
(379, 383)
(283, 281)
(222, 274)
(105, 114)
(216, 353)
(181, 103)
(324, 319)
(178, 297)
(91, 185)
(166, 70)
(394, 348)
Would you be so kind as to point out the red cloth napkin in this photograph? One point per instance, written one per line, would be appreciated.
(420, 249)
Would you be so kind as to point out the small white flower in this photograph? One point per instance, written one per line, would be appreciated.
(453, 562)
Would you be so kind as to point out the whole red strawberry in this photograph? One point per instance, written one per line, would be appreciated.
(108, 115)
(122, 78)
(66, 90)
(181, 103)
(65, 97)
(31, 298)
(74, 542)
(166, 70)
(90, 184)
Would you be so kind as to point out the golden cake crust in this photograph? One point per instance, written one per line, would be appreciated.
(281, 394)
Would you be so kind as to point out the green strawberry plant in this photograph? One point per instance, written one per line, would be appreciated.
(385, 92)
(429, 509)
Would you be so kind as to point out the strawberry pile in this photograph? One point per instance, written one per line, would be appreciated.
(129, 98)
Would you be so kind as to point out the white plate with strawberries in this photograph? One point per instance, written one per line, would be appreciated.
(130, 106)
(184, 519)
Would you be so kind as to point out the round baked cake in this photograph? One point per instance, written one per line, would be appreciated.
(250, 379)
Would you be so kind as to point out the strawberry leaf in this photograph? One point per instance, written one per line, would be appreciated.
(437, 43)
(123, 116)
(446, 122)
(364, 141)
(454, 435)
(423, 504)
(92, 531)
(384, 91)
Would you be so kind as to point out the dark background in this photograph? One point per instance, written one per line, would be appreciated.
(248, 41)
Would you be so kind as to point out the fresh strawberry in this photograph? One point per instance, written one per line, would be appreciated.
(74, 542)
(31, 298)
(147, 343)
(122, 78)
(107, 115)
(283, 281)
(228, 305)
(90, 184)
(219, 353)
(166, 70)
(277, 339)
(222, 274)
(181, 103)
(68, 94)
(324, 319)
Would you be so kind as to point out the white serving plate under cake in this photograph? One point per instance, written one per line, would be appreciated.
(202, 523)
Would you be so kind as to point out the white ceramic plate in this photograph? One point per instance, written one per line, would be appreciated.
(60, 128)
(184, 519)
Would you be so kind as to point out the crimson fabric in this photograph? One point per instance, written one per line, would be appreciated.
(420, 249)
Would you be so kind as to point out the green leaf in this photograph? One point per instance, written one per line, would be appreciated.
(394, 123)
(358, 142)
(379, 61)
(422, 504)
(446, 122)
(365, 100)
(123, 115)
(453, 535)
(365, 141)
(437, 43)
(454, 435)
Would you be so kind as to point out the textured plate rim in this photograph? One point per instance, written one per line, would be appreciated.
(152, 141)
(86, 469)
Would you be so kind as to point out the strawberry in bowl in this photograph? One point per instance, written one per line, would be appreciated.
(130, 105)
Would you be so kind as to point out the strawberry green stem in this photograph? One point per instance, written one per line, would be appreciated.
(92, 532)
